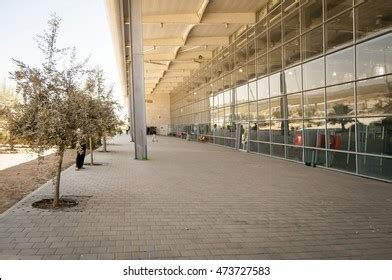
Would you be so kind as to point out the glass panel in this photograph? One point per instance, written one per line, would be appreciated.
(251, 50)
(375, 167)
(251, 70)
(340, 67)
(294, 135)
(289, 5)
(314, 157)
(374, 57)
(334, 7)
(312, 43)
(275, 36)
(374, 97)
(262, 88)
(340, 101)
(373, 16)
(277, 108)
(264, 148)
(313, 74)
(341, 161)
(275, 60)
(263, 109)
(278, 131)
(274, 16)
(314, 103)
(253, 133)
(261, 44)
(314, 133)
(293, 79)
(242, 112)
(339, 31)
(252, 91)
(292, 52)
(294, 110)
(277, 151)
(291, 26)
(294, 153)
(341, 134)
(228, 97)
(272, 4)
(242, 76)
(275, 84)
(241, 94)
(253, 111)
(312, 14)
(263, 131)
(375, 136)
(253, 146)
(261, 66)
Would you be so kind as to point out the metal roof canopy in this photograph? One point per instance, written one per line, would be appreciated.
(178, 35)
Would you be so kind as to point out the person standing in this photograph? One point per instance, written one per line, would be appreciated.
(154, 137)
(81, 150)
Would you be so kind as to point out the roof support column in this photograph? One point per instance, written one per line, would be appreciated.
(137, 67)
(131, 118)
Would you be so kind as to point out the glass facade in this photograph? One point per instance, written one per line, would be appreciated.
(310, 82)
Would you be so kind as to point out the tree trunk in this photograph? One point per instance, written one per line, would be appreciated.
(56, 199)
(91, 151)
(104, 143)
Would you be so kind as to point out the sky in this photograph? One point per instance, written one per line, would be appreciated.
(84, 25)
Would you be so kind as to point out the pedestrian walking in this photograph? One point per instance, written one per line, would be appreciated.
(154, 137)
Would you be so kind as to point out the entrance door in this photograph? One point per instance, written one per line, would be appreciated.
(242, 138)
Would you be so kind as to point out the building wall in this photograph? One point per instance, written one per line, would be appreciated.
(158, 111)
(311, 82)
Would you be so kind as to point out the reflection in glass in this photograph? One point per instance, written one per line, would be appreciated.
(334, 7)
(262, 88)
(314, 157)
(275, 60)
(293, 79)
(340, 100)
(241, 94)
(313, 74)
(274, 81)
(375, 166)
(374, 97)
(278, 151)
(314, 103)
(253, 133)
(274, 16)
(375, 135)
(374, 57)
(314, 133)
(294, 106)
(339, 31)
(263, 109)
(264, 148)
(278, 130)
(341, 134)
(252, 91)
(294, 134)
(292, 52)
(277, 108)
(261, 44)
(242, 112)
(291, 26)
(312, 43)
(312, 14)
(253, 111)
(263, 131)
(294, 153)
(373, 16)
(275, 36)
(340, 67)
(251, 69)
(341, 161)
(261, 66)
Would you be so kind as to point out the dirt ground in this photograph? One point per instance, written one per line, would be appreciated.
(18, 181)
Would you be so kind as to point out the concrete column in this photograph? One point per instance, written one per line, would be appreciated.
(131, 118)
(137, 67)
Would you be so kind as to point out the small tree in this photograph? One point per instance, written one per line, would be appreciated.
(50, 112)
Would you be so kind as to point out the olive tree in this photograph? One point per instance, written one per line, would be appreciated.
(51, 110)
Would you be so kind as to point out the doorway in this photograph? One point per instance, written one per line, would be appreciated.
(242, 137)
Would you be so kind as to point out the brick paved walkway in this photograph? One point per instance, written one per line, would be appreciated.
(194, 200)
